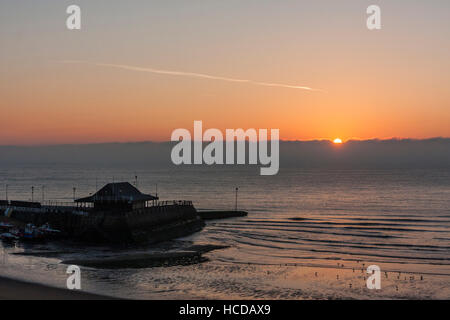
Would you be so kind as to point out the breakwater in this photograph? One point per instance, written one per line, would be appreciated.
(212, 215)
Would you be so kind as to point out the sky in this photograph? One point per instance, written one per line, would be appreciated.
(137, 70)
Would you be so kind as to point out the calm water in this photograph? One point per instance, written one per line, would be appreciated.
(398, 219)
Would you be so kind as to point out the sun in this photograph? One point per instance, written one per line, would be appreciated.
(337, 141)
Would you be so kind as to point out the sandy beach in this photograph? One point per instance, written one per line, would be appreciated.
(156, 276)
(11, 289)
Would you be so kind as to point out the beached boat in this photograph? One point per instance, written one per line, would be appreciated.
(31, 233)
(48, 232)
(7, 236)
(5, 226)
(28, 234)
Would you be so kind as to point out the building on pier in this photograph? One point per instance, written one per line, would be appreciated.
(121, 195)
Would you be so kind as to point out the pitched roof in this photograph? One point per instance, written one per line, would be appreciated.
(120, 191)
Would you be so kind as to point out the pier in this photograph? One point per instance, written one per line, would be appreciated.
(117, 213)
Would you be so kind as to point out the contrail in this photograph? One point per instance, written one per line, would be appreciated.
(193, 74)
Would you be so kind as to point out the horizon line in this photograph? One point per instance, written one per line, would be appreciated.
(191, 140)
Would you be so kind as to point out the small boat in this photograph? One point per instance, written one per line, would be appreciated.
(47, 229)
(49, 232)
(5, 226)
(30, 233)
(8, 237)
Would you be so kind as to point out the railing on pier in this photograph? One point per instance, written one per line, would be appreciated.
(169, 203)
(65, 204)
(155, 203)
(27, 209)
(48, 206)
(60, 206)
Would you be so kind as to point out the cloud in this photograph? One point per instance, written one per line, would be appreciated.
(194, 75)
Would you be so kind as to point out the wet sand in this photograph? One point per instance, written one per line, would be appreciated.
(247, 281)
(285, 282)
(174, 272)
(11, 289)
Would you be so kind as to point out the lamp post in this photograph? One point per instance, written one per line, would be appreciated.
(74, 191)
(32, 193)
(6, 192)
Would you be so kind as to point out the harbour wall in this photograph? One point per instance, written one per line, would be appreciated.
(150, 224)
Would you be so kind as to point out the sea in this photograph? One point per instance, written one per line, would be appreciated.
(309, 233)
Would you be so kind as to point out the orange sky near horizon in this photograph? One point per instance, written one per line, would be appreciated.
(383, 84)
